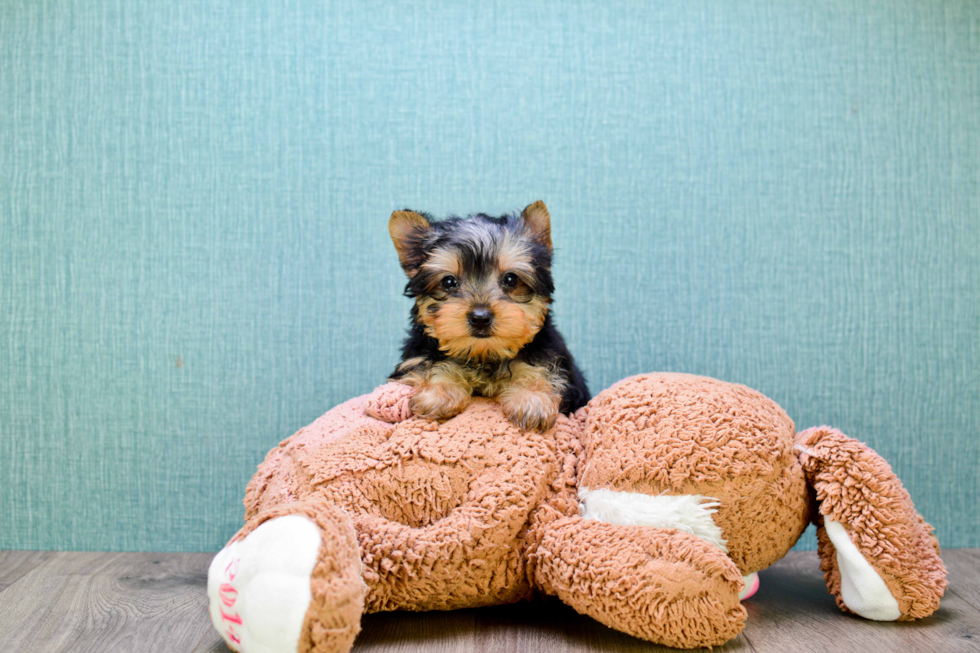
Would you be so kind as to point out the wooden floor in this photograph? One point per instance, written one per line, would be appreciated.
(141, 602)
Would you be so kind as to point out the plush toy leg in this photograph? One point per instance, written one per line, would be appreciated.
(662, 585)
(878, 555)
(290, 580)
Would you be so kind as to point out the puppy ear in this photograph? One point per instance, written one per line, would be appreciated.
(407, 230)
(538, 222)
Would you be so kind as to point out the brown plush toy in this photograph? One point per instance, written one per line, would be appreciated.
(650, 510)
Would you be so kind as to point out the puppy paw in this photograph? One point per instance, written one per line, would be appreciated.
(438, 400)
(530, 410)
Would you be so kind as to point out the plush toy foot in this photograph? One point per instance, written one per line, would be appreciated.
(751, 586)
(259, 587)
(289, 581)
(879, 557)
(659, 584)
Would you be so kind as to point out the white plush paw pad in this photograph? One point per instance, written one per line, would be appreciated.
(861, 588)
(259, 587)
(691, 513)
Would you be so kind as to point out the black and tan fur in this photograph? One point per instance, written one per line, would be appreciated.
(481, 323)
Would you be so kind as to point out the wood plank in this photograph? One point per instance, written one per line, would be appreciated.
(549, 626)
(543, 626)
(211, 643)
(157, 602)
(107, 602)
(963, 566)
(14, 564)
(414, 632)
(794, 612)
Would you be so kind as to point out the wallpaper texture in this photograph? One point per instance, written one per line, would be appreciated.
(194, 260)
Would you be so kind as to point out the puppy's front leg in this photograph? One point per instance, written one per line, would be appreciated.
(442, 389)
(530, 397)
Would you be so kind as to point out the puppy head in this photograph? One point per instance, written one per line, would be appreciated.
(482, 285)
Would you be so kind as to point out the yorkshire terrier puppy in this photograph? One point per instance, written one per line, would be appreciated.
(481, 323)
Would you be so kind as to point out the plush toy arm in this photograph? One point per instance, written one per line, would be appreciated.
(389, 403)
(879, 557)
(662, 585)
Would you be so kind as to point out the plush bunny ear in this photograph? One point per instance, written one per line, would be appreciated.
(538, 222)
(407, 230)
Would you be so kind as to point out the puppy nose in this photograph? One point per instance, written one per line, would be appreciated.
(480, 318)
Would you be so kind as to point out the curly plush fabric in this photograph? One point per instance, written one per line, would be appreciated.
(389, 403)
(643, 510)
(856, 487)
(664, 586)
(437, 525)
(681, 434)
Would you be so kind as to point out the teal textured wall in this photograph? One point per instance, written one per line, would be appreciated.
(195, 263)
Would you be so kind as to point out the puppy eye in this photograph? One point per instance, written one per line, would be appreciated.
(509, 280)
(449, 282)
